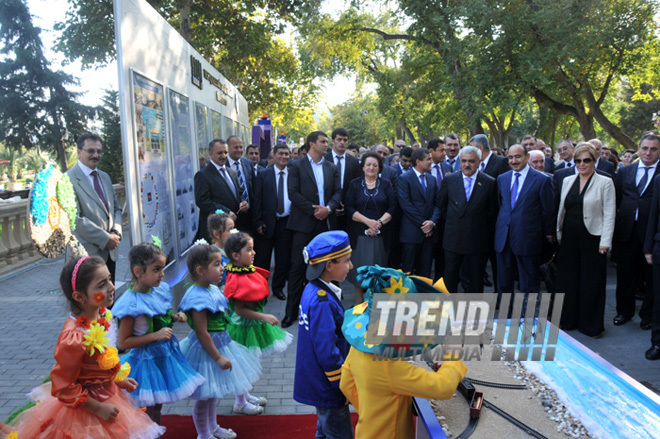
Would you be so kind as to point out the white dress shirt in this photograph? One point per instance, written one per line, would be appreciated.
(343, 165)
(317, 169)
(88, 172)
(521, 180)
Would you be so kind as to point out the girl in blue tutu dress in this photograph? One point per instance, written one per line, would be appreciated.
(145, 327)
(229, 368)
(247, 291)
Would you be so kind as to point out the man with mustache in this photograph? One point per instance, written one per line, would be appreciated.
(98, 224)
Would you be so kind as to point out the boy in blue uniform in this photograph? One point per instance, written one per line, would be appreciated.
(322, 347)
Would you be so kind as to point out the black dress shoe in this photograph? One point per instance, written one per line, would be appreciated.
(620, 319)
(287, 321)
(646, 324)
(279, 295)
(653, 353)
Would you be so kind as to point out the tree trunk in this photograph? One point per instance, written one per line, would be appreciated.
(184, 24)
(61, 152)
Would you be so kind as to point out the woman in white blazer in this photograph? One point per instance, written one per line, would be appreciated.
(585, 225)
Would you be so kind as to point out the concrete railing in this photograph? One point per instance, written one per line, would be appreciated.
(16, 249)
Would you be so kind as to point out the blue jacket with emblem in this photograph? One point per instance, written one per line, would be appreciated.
(322, 348)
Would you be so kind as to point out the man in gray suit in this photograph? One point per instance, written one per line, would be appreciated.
(98, 224)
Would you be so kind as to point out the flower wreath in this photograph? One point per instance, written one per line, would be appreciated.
(96, 343)
(240, 270)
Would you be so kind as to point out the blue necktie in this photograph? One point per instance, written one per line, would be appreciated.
(451, 163)
(438, 174)
(514, 190)
(422, 180)
(468, 187)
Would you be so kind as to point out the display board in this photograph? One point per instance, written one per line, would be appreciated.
(228, 129)
(182, 154)
(173, 102)
(155, 195)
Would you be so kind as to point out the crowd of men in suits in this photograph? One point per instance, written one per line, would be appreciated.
(459, 207)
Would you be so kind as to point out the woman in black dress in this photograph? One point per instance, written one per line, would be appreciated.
(370, 203)
(585, 225)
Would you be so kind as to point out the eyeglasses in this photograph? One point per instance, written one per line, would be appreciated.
(92, 151)
(585, 161)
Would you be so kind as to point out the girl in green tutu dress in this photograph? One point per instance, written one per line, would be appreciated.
(247, 291)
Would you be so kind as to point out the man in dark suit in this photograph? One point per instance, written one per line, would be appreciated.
(315, 193)
(243, 169)
(453, 146)
(493, 165)
(439, 169)
(652, 252)
(417, 194)
(405, 160)
(468, 205)
(270, 210)
(566, 149)
(530, 142)
(218, 187)
(634, 193)
(252, 154)
(388, 172)
(523, 222)
(602, 164)
(348, 166)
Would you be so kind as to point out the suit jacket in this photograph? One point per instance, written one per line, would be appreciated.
(561, 165)
(497, 165)
(530, 220)
(417, 205)
(468, 223)
(212, 192)
(390, 174)
(352, 170)
(628, 202)
(606, 166)
(549, 165)
(457, 164)
(653, 227)
(264, 205)
(398, 168)
(599, 207)
(259, 169)
(303, 194)
(94, 222)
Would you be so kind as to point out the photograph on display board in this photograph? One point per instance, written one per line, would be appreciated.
(202, 129)
(216, 127)
(228, 126)
(182, 154)
(154, 171)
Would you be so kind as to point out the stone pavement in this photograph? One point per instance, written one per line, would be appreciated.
(32, 311)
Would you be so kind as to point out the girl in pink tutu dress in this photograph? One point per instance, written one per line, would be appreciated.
(87, 383)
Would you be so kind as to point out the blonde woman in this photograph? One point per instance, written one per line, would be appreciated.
(585, 225)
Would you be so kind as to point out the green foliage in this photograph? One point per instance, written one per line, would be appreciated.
(360, 116)
(240, 38)
(113, 155)
(35, 105)
(636, 114)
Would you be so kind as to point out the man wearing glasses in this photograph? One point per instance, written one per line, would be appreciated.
(98, 224)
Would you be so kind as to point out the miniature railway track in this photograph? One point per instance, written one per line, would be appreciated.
(476, 401)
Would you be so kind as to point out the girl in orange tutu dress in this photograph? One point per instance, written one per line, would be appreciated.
(87, 382)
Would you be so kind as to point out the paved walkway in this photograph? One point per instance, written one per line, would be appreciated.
(32, 311)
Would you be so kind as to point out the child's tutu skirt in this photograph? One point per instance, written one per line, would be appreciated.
(219, 383)
(50, 419)
(162, 372)
(259, 337)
